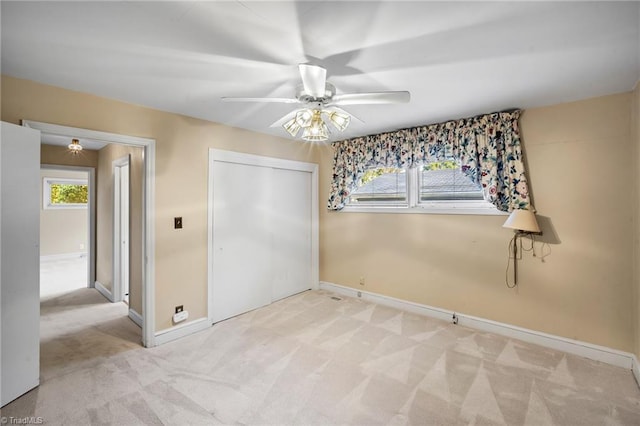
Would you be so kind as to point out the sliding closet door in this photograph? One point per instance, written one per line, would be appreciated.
(291, 225)
(242, 239)
(263, 231)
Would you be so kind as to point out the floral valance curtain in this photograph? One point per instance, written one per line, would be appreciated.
(487, 148)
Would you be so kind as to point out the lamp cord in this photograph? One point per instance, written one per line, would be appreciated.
(512, 247)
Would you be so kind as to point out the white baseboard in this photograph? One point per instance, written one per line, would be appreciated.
(636, 369)
(182, 330)
(575, 347)
(104, 291)
(63, 256)
(135, 317)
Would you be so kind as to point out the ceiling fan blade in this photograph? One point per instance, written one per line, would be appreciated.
(371, 98)
(314, 79)
(269, 100)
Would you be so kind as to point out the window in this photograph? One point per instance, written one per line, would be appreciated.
(384, 186)
(436, 187)
(65, 193)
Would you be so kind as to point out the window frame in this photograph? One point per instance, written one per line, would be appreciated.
(46, 193)
(388, 204)
(414, 205)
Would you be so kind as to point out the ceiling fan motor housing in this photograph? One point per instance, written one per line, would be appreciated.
(304, 97)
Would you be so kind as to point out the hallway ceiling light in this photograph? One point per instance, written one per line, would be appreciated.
(75, 146)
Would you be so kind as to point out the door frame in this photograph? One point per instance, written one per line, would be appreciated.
(91, 211)
(218, 155)
(118, 287)
(148, 207)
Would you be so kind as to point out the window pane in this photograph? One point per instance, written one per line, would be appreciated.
(381, 186)
(68, 193)
(444, 180)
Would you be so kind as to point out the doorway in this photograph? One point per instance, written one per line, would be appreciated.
(146, 239)
(67, 229)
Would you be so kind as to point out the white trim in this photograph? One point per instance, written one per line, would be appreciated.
(404, 305)
(116, 265)
(135, 317)
(182, 330)
(315, 230)
(271, 162)
(62, 256)
(91, 247)
(56, 129)
(405, 209)
(260, 160)
(636, 369)
(575, 347)
(148, 228)
(104, 291)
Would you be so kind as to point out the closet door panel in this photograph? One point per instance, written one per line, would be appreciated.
(242, 239)
(291, 226)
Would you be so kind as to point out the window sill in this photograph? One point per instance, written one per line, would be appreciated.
(64, 206)
(447, 208)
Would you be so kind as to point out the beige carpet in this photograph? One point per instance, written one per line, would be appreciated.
(58, 276)
(310, 359)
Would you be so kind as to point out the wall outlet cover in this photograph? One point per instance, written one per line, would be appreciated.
(180, 316)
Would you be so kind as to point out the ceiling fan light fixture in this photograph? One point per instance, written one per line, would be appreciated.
(339, 120)
(304, 117)
(75, 146)
(292, 126)
(317, 131)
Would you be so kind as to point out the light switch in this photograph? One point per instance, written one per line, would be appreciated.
(177, 223)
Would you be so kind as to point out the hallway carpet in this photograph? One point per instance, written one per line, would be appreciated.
(313, 358)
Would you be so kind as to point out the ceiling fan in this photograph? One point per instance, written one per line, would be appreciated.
(320, 102)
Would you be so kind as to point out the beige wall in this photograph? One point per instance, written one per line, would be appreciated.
(182, 145)
(60, 155)
(635, 131)
(580, 169)
(579, 166)
(104, 219)
(62, 231)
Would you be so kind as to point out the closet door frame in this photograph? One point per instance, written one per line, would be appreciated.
(217, 155)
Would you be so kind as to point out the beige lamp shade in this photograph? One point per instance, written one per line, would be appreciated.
(522, 220)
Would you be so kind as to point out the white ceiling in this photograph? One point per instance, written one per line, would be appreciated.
(456, 58)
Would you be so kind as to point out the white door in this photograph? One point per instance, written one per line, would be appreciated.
(262, 234)
(242, 242)
(19, 264)
(291, 226)
(121, 228)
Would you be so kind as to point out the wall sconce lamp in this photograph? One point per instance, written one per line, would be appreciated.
(524, 223)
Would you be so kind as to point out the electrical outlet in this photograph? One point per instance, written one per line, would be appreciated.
(359, 294)
(179, 308)
(361, 280)
(177, 223)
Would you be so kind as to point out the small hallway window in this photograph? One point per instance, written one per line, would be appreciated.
(65, 193)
